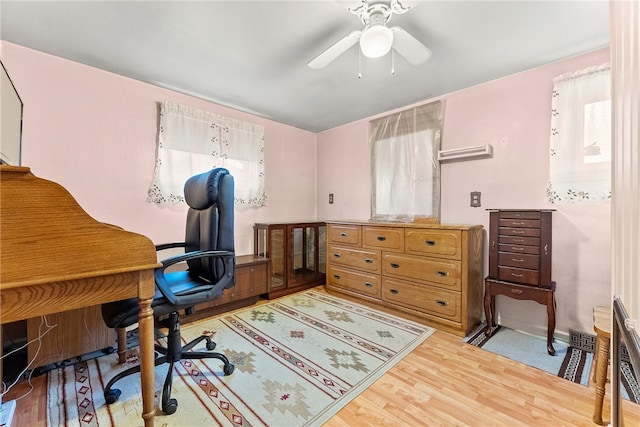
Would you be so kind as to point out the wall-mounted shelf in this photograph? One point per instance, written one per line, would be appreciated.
(462, 153)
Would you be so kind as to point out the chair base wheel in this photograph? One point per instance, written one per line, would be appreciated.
(112, 396)
(228, 369)
(210, 345)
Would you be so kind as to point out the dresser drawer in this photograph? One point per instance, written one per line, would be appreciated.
(385, 238)
(363, 283)
(528, 223)
(442, 243)
(441, 273)
(344, 234)
(530, 277)
(520, 214)
(361, 259)
(519, 232)
(531, 262)
(512, 240)
(439, 302)
(520, 249)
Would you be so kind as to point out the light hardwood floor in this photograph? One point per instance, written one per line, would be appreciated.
(443, 382)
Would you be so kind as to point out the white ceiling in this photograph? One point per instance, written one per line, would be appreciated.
(252, 55)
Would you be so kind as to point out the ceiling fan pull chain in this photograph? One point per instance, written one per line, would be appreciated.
(393, 61)
(359, 64)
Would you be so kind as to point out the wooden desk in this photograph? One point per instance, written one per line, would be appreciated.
(54, 257)
(545, 296)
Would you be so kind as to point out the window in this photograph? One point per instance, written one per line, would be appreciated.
(405, 168)
(580, 156)
(192, 141)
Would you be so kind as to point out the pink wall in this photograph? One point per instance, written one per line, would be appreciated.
(512, 114)
(95, 133)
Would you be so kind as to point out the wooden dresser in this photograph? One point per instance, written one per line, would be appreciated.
(431, 271)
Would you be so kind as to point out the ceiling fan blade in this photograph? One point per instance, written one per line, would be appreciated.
(336, 50)
(409, 47)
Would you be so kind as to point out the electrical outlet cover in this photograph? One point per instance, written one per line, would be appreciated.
(475, 199)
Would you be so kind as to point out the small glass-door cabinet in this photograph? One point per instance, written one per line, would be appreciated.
(296, 253)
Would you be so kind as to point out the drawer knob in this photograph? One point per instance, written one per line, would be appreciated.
(343, 234)
(368, 285)
(430, 242)
(442, 303)
(336, 255)
(382, 238)
(336, 276)
(442, 273)
(517, 248)
(394, 265)
(517, 260)
(518, 232)
(517, 275)
(394, 291)
(518, 223)
(517, 291)
(368, 260)
(518, 240)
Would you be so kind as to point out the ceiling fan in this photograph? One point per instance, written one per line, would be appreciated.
(376, 39)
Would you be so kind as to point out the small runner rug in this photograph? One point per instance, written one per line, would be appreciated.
(571, 363)
(298, 360)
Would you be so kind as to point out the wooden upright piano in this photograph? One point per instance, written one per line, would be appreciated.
(55, 257)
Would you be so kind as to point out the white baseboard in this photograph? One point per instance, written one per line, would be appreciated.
(535, 330)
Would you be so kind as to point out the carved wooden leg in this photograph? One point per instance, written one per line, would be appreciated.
(551, 322)
(487, 308)
(145, 329)
(122, 344)
(601, 376)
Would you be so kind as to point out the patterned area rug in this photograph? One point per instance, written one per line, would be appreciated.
(570, 363)
(298, 360)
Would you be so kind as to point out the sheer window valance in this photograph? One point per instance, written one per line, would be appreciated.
(405, 168)
(580, 156)
(192, 141)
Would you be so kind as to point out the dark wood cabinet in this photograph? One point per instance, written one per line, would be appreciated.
(296, 253)
(520, 246)
(520, 263)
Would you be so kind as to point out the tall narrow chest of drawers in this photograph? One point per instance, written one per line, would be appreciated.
(430, 271)
(520, 246)
(520, 263)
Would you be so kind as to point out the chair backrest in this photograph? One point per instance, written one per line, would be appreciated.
(209, 226)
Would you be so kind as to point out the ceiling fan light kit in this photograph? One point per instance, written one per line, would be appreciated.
(376, 39)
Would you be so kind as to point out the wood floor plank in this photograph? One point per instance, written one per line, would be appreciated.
(443, 382)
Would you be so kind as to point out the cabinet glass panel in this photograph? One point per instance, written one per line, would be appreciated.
(277, 257)
(303, 255)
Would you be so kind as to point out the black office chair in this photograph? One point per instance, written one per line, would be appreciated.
(209, 254)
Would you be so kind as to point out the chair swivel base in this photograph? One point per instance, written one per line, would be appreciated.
(171, 354)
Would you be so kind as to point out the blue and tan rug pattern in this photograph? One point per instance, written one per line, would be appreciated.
(571, 363)
(298, 361)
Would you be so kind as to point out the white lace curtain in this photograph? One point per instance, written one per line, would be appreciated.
(405, 169)
(193, 141)
(580, 156)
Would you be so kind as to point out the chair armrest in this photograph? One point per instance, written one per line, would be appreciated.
(163, 246)
(164, 287)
